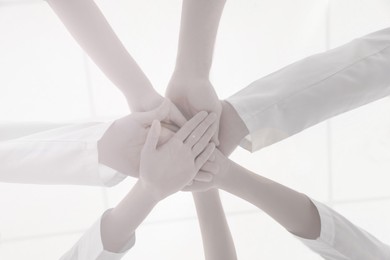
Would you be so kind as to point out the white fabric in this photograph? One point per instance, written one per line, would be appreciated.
(90, 246)
(60, 155)
(342, 240)
(63, 155)
(314, 89)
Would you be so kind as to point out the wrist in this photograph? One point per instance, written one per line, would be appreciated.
(225, 175)
(147, 193)
(232, 129)
(145, 100)
(186, 77)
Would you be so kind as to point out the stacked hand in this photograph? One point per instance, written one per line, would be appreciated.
(194, 95)
(176, 153)
(124, 140)
(122, 143)
(168, 168)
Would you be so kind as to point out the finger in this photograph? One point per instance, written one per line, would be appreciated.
(188, 127)
(199, 131)
(153, 136)
(204, 156)
(197, 186)
(146, 118)
(176, 116)
(171, 127)
(212, 157)
(203, 176)
(216, 137)
(210, 167)
(204, 140)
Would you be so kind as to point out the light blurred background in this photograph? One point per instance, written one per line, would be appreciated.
(46, 77)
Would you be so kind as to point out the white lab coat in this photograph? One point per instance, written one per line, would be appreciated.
(342, 240)
(311, 91)
(61, 155)
(273, 108)
(90, 246)
(314, 89)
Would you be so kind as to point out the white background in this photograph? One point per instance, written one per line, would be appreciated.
(44, 76)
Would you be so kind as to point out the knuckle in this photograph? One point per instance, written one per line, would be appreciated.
(197, 148)
(202, 157)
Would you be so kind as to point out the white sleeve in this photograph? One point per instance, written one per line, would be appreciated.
(342, 240)
(314, 89)
(64, 155)
(90, 246)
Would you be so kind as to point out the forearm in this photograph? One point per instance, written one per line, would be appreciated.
(291, 209)
(198, 31)
(113, 149)
(232, 129)
(88, 26)
(217, 239)
(120, 224)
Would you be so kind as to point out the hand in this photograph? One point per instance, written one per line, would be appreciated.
(121, 145)
(192, 96)
(216, 169)
(168, 168)
(152, 101)
(232, 129)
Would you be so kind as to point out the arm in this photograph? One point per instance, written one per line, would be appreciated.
(76, 152)
(314, 89)
(88, 26)
(291, 209)
(217, 239)
(190, 89)
(70, 151)
(164, 170)
(320, 228)
(232, 129)
(198, 31)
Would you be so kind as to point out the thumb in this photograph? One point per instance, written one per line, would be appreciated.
(159, 113)
(176, 116)
(215, 138)
(153, 136)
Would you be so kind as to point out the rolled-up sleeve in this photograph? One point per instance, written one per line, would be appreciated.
(342, 240)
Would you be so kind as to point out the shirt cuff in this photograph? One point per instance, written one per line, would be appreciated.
(91, 246)
(327, 226)
(324, 244)
(108, 176)
(256, 139)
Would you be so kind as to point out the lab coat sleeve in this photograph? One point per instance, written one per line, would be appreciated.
(314, 89)
(341, 240)
(90, 246)
(64, 155)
